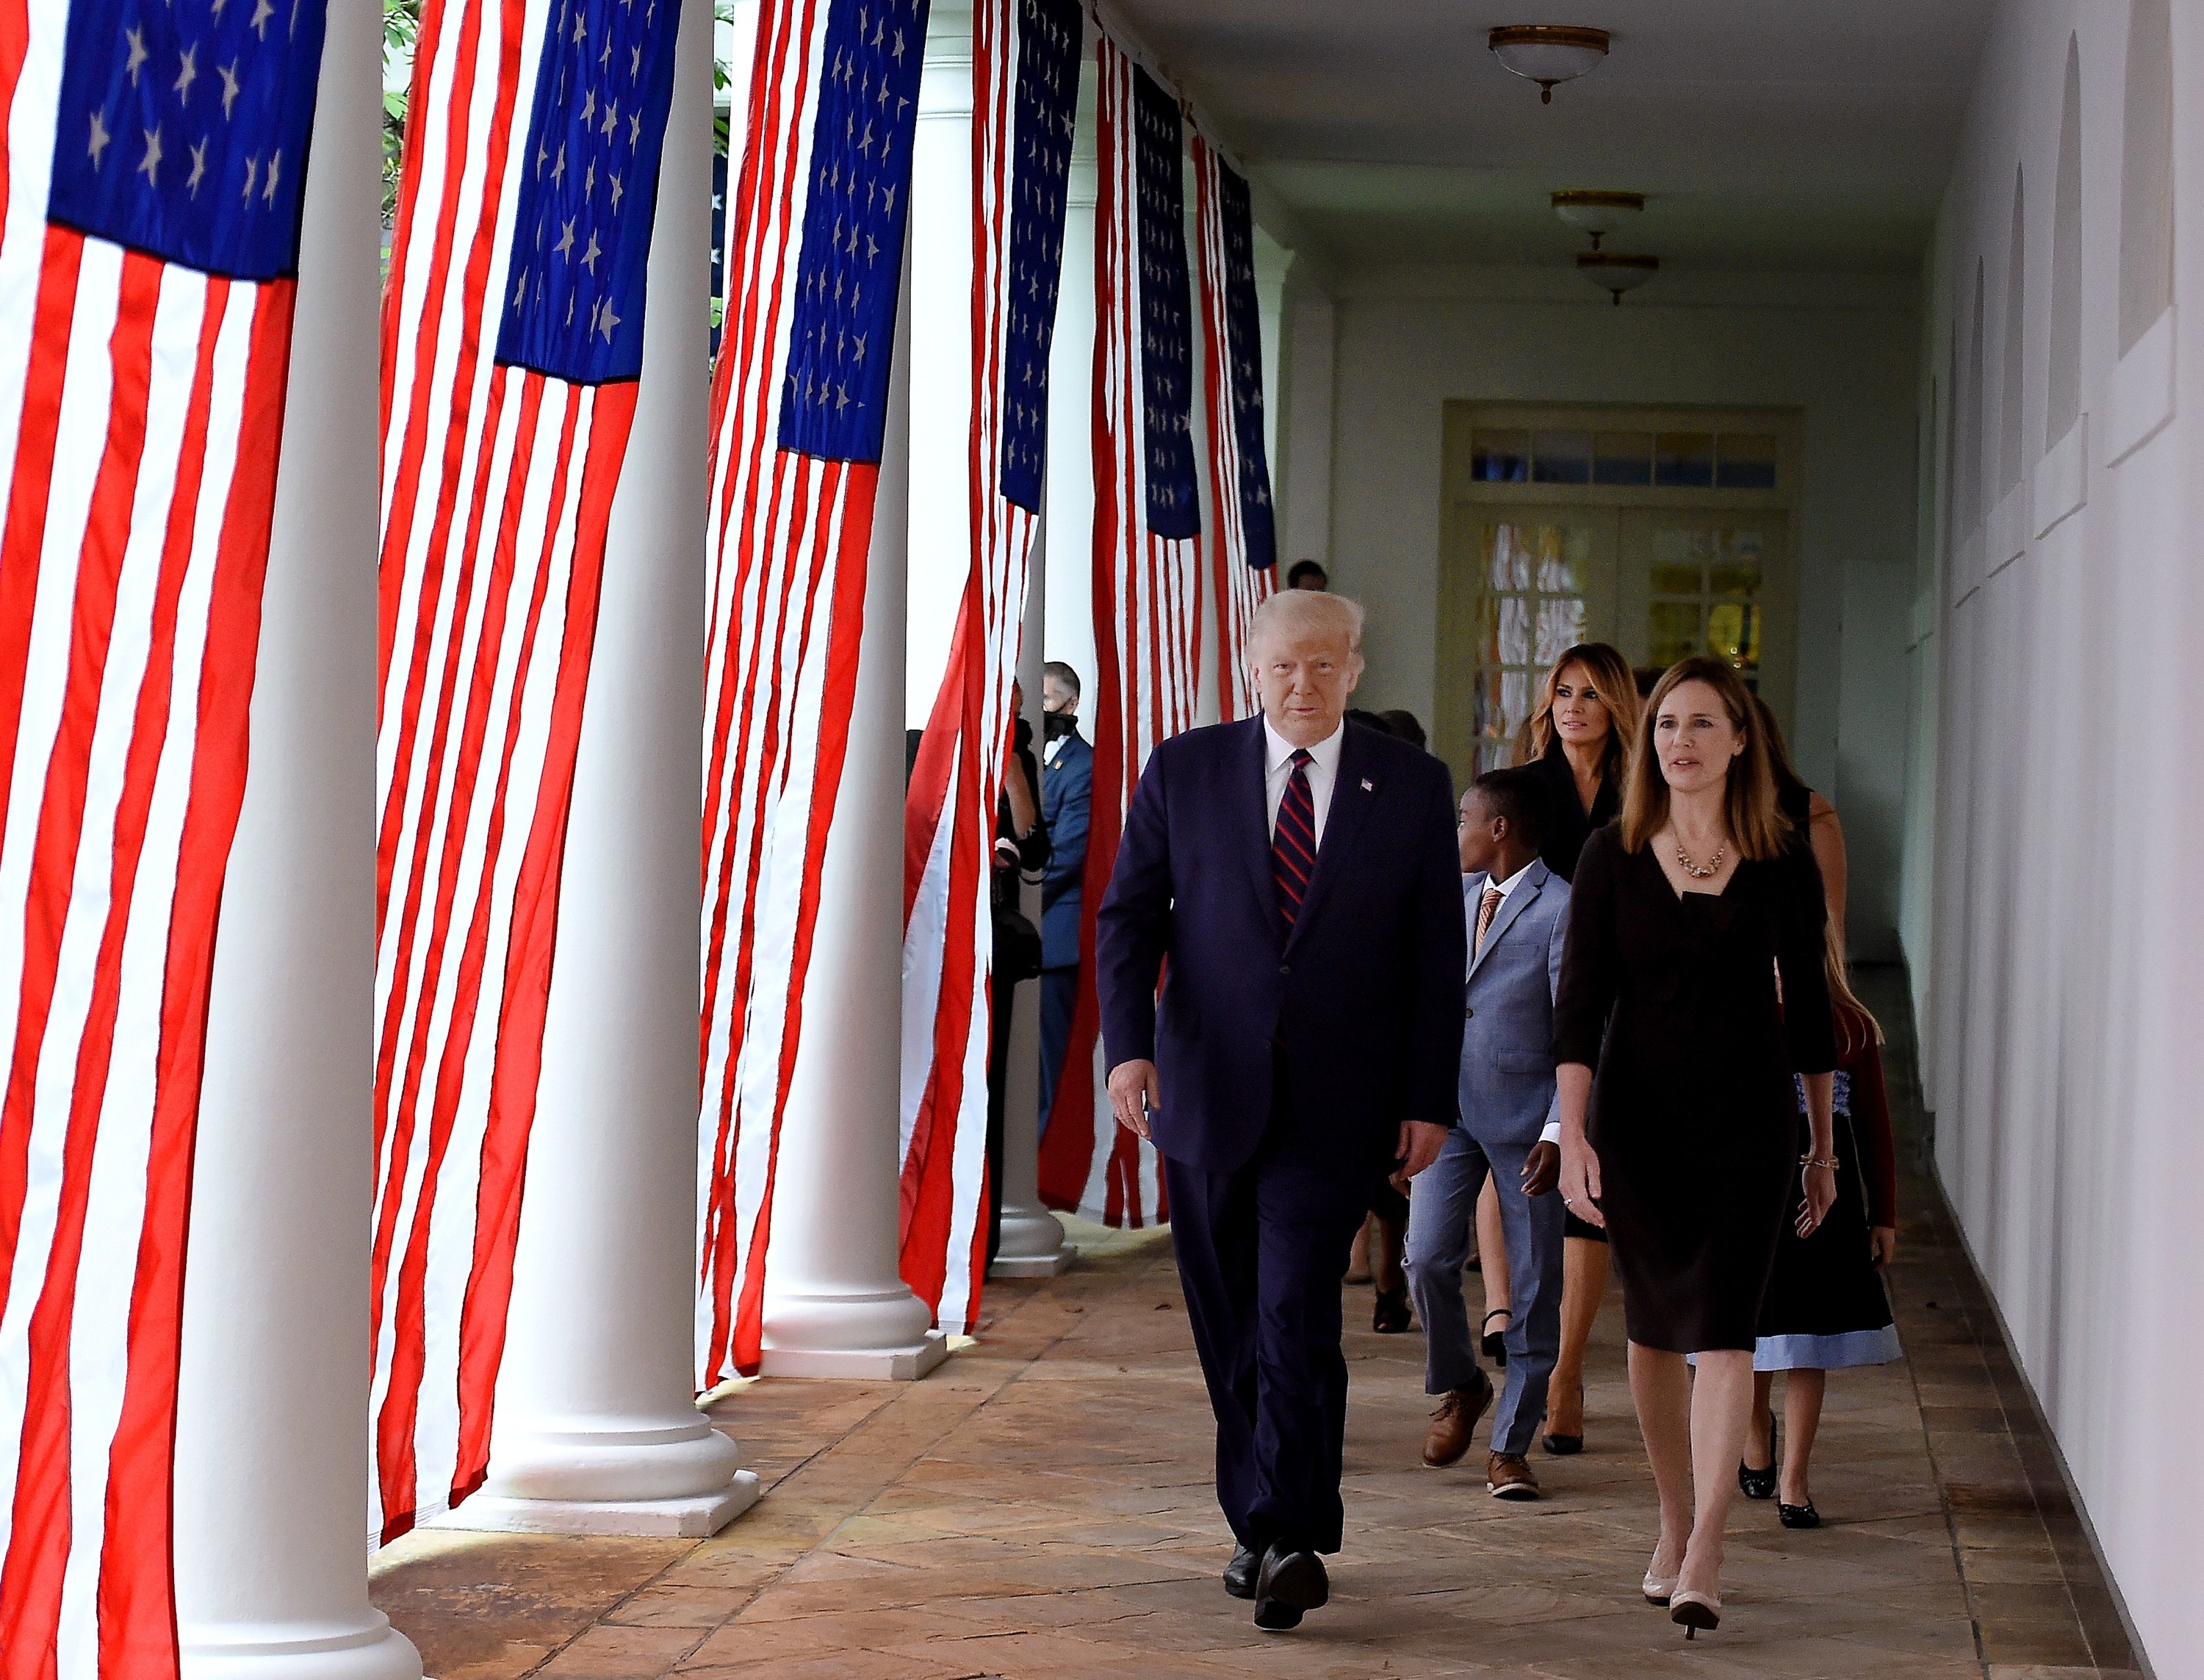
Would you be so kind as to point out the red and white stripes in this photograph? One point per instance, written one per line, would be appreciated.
(497, 485)
(787, 543)
(1147, 652)
(1238, 587)
(950, 816)
(141, 411)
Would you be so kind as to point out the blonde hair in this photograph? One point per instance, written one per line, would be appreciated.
(1618, 692)
(1291, 610)
(1757, 827)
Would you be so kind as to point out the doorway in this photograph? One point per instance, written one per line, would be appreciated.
(1665, 531)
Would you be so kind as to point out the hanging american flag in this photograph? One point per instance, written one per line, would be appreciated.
(155, 160)
(1025, 66)
(512, 341)
(1243, 549)
(798, 424)
(1147, 601)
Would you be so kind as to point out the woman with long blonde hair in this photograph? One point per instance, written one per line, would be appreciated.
(1684, 919)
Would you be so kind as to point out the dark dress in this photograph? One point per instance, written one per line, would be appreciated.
(1565, 828)
(1826, 1308)
(1567, 825)
(1694, 1107)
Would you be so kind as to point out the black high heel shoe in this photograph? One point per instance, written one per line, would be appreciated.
(1797, 1516)
(1562, 1445)
(1495, 1344)
(1760, 1484)
(1390, 1315)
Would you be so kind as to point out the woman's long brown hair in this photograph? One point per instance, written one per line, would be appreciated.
(1758, 828)
(1617, 690)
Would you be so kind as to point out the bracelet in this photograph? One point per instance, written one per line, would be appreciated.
(1808, 1160)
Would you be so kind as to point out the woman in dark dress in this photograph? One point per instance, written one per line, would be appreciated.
(1578, 737)
(1682, 916)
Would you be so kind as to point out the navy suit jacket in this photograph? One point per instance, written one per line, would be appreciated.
(1363, 1004)
(1067, 790)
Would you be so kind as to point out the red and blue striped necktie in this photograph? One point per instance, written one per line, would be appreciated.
(1293, 842)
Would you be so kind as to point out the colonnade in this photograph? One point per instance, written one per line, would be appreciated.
(596, 1429)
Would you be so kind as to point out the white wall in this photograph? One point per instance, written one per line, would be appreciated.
(1843, 350)
(2056, 939)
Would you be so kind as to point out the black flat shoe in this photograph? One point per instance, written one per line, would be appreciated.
(1759, 1484)
(1240, 1574)
(1390, 1316)
(1496, 1345)
(1797, 1516)
(1562, 1446)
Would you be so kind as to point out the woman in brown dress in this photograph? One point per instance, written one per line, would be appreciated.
(1682, 917)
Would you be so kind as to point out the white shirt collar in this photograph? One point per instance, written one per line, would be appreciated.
(1277, 749)
(1503, 887)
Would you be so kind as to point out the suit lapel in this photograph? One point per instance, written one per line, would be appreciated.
(1534, 879)
(1354, 791)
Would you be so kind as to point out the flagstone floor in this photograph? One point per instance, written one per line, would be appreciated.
(1040, 1507)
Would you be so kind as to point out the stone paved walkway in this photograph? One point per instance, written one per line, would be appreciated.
(1040, 1507)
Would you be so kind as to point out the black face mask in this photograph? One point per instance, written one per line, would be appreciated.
(1055, 726)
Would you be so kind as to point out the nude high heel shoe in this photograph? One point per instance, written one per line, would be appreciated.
(1691, 1611)
(1657, 1589)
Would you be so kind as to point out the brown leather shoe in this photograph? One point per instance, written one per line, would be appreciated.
(1509, 1475)
(1454, 1422)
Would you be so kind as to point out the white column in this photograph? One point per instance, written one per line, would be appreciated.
(597, 1430)
(1067, 532)
(272, 1409)
(939, 557)
(1033, 1243)
(835, 1302)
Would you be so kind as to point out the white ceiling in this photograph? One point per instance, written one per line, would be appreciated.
(1793, 134)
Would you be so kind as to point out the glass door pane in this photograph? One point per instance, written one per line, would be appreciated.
(1710, 581)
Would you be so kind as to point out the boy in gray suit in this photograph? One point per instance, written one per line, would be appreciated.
(1518, 912)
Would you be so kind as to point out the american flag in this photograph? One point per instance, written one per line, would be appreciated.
(513, 340)
(155, 159)
(1025, 64)
(1243, 548)
(1147, 599)
(798, 424)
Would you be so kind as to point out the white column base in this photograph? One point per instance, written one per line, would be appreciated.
(368, 1650)
(674, 1477)
(696, 1518)
(1036, 1265)
(868, 1364)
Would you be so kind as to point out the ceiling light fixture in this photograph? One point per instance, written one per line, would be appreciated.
(1597, 213)
(1546, 53)
(1615, 271)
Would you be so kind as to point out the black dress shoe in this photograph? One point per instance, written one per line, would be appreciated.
(1240, 1574)
(1797, 1516)
(1289, 1580)
(1273, 1617)
(1759, 1484)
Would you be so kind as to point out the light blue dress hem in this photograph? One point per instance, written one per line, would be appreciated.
(1827, 1353)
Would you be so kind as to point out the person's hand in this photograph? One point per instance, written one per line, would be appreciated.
(1882, 1245)
(1419, 1146)
(1820, 1187)
(1542, 1168)
(1130, 1082)
(1580, 1186)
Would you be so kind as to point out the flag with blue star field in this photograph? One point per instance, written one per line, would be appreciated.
(1243, 539)
(156, 154)
(1148, 577)
(511, 347)
(799, 414)
(1025, 101)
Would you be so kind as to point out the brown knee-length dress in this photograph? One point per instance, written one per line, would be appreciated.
(1673, 999)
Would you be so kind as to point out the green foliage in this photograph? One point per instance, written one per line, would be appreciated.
(401, 29)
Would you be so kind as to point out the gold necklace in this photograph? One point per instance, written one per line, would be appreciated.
(1713, 869)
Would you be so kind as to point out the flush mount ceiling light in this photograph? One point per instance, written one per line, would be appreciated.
(1597, 213)
(1616, 271)
(1546, 53)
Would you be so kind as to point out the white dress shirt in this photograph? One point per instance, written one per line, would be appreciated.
(1323, 772)
(1552, 1132)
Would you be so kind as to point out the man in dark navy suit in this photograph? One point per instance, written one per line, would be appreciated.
(1067, 787)
(1294, 879)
